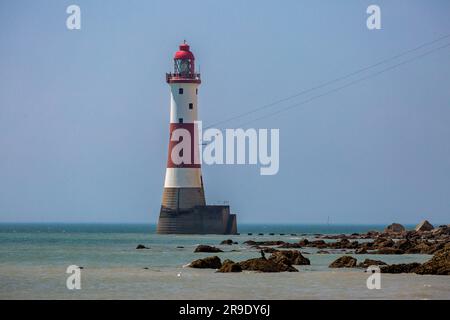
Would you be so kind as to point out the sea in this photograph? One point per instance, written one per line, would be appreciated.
(34, 260)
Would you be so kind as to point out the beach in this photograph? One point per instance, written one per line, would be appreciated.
(34, 259)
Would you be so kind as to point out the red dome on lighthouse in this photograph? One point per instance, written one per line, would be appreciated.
(184, 52)
(183, 67)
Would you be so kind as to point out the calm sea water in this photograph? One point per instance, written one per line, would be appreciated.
(34, 258)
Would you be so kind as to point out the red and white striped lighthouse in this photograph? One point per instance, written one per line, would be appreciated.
(183, 187)
(183, 208)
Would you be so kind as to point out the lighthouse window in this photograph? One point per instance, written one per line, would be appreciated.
(180, 120)
(196, 91)
(191, 106)
(180, 91)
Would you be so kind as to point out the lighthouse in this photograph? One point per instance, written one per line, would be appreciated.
(183, 207)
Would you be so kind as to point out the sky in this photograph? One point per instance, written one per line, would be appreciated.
(84, 113)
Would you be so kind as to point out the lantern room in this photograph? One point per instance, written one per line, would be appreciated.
(184, 66)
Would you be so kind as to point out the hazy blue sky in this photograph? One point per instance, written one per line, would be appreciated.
(84, 114)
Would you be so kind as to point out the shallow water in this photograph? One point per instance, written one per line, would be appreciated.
(34, 258)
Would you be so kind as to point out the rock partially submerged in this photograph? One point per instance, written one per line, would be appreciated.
(289, 257)
(266, 249)
(394, 228)
(344, 262)
(369, 262)
(141, 246)
(207, 263)
(205, 248)
(361, 251)
(424, 226)
(439, 264)
(264, 243)
(230, 266)
(265, 265)
(400, 268)
(228, 242)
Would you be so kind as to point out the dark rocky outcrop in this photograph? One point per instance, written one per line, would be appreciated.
(230, 266)
(207, 263)
(205, 248)
(361, 251)
(394, 228)
(141, 246)
(228, 242)
(400, 268)
(404, 244)
(439, 264)
(424, 226)
(320, 244)
(266, 249)
(382, 242)
(344, 262)
(369, 262)
(303, 242)
(290, 245)
(289, 257)
(265, 265)
(265, 243)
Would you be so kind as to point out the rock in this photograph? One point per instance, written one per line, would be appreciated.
(394, 228)
(303, 242)
(264, 243)
(227, 242)
(422, 248)
(435, 248)
(404, 244)
(424, 226)
(400, 268)
(289, 257)
(230, 266)
(383, 243)
(180, 247)
(207, 263)
(344, 262)
(369, 262)
(267, 249)
(321, 244)
(205, 248)
(249, 234)
(265, 265)
(290, 245)
(441, 233)
(141, 246)
(361, 251)
(389, 251)
(372, 234)
(439, 264)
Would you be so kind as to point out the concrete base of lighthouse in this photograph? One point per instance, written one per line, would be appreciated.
(198, 220)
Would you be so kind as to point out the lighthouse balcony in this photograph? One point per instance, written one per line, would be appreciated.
(183, 77)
